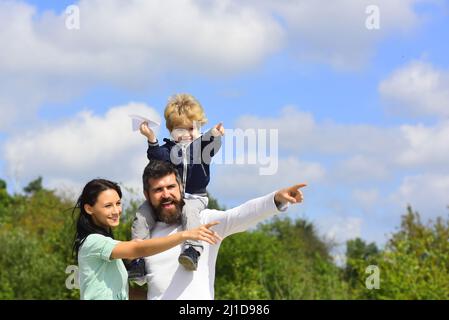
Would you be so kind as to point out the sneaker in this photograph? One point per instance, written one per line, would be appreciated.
(135, 268)
(189, 258)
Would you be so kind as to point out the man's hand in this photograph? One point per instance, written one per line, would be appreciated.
(218, 130)
(147, 132)
(289, 195)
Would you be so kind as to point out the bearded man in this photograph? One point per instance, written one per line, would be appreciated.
(165, 277)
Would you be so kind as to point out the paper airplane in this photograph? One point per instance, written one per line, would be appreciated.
(138, 120)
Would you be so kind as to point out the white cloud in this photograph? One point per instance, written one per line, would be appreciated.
(363, 152)
(135, 43)
(88, 146)
(363, 164)
(145, 37)
(427, 146)
(334, 32)
(136, 38)
(300, 133)
(128, 44)
(367, 198)
(251, 184)
(339, 229)
(417, 89)
(426, 193)
(8, 112)
(360, 168)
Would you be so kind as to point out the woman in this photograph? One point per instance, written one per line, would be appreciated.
(101, 269)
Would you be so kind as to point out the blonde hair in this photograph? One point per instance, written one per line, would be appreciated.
(181, 109)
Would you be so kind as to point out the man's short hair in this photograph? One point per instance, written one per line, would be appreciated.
(157, 169)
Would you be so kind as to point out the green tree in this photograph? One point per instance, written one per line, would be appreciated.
(29, 269)
(213, 203)
(415, 262)
(34, 186)
(358, 250)
(5, 200)
(281, 259)
(36, 238)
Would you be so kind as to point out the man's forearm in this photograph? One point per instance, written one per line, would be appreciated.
(249, 214)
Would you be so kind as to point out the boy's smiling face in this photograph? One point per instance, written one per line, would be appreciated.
(186, 132)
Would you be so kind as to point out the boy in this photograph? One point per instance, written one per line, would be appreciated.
(191, 153)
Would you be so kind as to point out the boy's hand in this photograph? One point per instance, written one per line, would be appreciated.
(290, 195)
(147, 132)
(218, 130)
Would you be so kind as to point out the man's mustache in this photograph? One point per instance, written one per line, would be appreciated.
(163, 215)
(168, 200)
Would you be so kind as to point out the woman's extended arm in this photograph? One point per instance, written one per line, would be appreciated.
(144, 248)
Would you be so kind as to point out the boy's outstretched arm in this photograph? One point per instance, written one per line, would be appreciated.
(155, 151)
(213, 136)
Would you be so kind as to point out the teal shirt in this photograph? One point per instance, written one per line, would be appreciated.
(101, 278)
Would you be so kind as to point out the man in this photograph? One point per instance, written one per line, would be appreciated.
(165, 277)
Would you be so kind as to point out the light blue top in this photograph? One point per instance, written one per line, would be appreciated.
(101, 278)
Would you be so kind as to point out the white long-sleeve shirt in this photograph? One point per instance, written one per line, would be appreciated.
(168, 280)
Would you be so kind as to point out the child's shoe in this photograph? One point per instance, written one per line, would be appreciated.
(135, 268)
(189, 258)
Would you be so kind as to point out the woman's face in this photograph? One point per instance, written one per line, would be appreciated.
(107, 210)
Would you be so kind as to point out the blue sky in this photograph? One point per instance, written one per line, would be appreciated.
(361, 114)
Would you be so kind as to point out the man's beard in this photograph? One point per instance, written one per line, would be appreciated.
(172, 216)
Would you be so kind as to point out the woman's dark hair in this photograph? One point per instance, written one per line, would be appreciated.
(84, 224)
